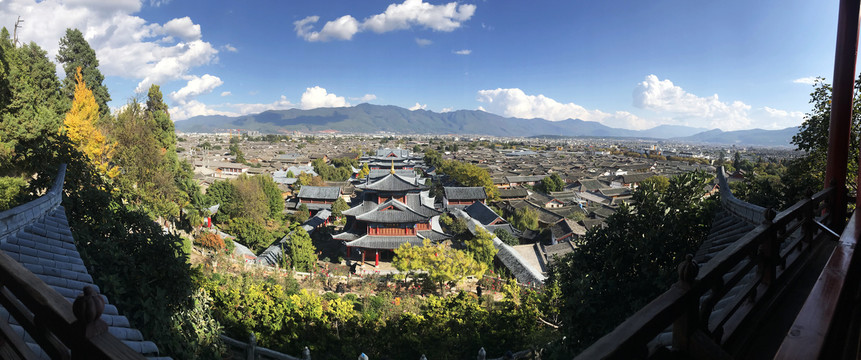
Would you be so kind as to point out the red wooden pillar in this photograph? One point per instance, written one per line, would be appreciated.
(377, 260)
(348, 255)
(841, 107)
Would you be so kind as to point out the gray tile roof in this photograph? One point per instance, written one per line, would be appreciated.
(394, 183)
(516, 263)
(398, 213)
(634, 178)
(522, 179)
(397, 153)
(376, 174)
(465, 193)
(385, 242)
(513, 193)
(320, 192)
(482, 213)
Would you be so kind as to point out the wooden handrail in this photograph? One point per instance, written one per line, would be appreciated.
(814, 323)
(630, 339)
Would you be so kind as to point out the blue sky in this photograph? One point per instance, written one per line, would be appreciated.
(632, 64)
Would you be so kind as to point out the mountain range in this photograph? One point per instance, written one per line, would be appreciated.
(374, 119)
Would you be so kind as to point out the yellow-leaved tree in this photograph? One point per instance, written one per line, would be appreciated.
(80, 127)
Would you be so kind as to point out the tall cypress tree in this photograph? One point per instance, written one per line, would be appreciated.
(157, 112)
(76, 52)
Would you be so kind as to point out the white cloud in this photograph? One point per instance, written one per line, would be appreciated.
(182, 28)
(226, 93)
(107, 6)
(810, 80)
(463, 52)
(174, 62)
(423, 42)
(445, 110)
(418, 106)
(516, 103)
(663, 96)
(778, 119)
(195, 87)
(364, 98)
(196, 108)
(447, 17)
(342, 28)
(126, 45)
(230, 48)
(316, 97)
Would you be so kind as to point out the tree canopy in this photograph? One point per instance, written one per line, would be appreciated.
(75, 52)
(80, 127)
(300, 250)
(615, 270)
(442, 264)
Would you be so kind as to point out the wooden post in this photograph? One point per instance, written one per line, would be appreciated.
(251, 350)
(686, 324)
(348, 256)
(363, 256)
(769, 251)
(807, 215)
(377, 260)
(841, 107)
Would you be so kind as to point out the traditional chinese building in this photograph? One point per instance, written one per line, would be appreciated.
(395, 209)
(399, 159)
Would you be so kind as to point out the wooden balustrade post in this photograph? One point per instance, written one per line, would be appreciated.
(685, 325)
(807, 215)
(769, 251)
(87, 308)
(251, 350)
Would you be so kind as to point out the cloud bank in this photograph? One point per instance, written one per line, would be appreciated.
(409, 14)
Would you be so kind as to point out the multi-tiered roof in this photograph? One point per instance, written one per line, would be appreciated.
(396, 209)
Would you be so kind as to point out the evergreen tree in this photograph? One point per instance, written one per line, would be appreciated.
(301, 251)
(75, 52)
(30, 109)
(339, 206)
(481, 247)
(616, 270)
(525, 218)
(441, 263)
(156, 111)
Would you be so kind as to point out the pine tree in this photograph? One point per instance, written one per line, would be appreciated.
(80, 127)
(74, 53)
(300, 249)
(157, 112)
(30, 111)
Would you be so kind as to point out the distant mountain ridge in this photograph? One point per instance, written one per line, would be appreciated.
(368, 118)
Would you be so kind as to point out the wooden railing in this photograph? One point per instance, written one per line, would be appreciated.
(250, 350)
(822, 330)
(755, 265)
